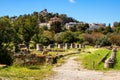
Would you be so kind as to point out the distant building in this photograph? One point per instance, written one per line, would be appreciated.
(72, 24)
(54, 19)
(49, 23)
(94, 26)
(44, 24)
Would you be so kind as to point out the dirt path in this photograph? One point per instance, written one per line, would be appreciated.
(69, 71)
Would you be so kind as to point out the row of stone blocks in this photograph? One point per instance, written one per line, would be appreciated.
(34, 59)
(39, 47)
(109, 63)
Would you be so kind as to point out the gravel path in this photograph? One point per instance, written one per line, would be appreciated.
(69, 71)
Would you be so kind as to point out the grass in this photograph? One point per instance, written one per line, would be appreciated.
(33, 51)
(55, 53)
(117, 64)
(60, 61)
(26, 73)
(91, 60)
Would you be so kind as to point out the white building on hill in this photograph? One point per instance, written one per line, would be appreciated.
(44, 24)
(94, 26)
(72, 24)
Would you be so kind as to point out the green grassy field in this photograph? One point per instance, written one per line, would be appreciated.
(92, 58)
(117, 64)
(26, 73)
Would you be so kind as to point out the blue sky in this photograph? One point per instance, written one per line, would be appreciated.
(99, 11)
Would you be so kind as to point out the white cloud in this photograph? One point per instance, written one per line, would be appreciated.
(72, 1)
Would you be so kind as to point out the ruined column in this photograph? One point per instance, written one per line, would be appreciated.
(51, 46)
(72, 45)
(39, 47)
(60, 46)
(67, 46)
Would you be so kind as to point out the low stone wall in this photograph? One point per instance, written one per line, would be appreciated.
(109, 63)
(34, 59)
(31, 59)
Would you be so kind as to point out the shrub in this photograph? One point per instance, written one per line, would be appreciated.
(5, 57)
(115, 39)
(103, 41)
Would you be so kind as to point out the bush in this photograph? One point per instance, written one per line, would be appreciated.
(67, 37)
(115, 39)
(5, 57)
(46, 41)
(103, 42)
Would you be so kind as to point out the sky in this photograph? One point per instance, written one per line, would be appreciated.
(91, 11)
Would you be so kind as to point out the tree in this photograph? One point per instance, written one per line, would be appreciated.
(115, 39)
(72, 28)
(5, 39)
(116, 27)
(116, 24)
(103, 41)
(5, 31)
(109, 25)
(80, 40)
(28, 27)
(44, 37)
(45, 40)
(16, 39)
(63, 17)
(88, 38)
(36, 38)
(101, 29)
(56, 27)
(82, 27)
(91, 38)
(5, 57)
(67, 37)
(57, 38)
(108, 29)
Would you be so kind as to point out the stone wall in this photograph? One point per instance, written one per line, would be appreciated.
(31, 59)
(109, 63)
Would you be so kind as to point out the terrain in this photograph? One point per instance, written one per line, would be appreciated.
(71, 70)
